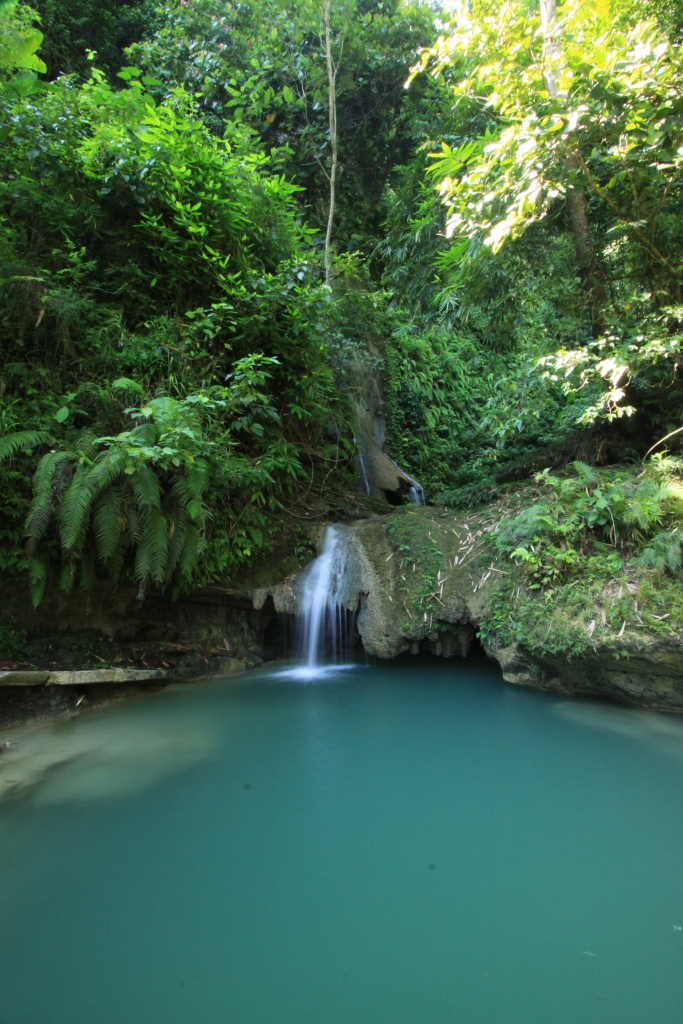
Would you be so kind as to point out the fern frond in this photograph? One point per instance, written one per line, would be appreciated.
(152, 554)
(87, 445)
(68, 575)
(86, 487)
(526, 524)
(106, 469)
(157, 527)
(197, 477)
(663, 552)
(45, 471)
(37, 573)
(116, 560)
(178, 530)
(145, 434)
(143, 563)
(108, 523)
(587, 473)
(132, 520)
(75, 510)
(40, 513)
(146, 488)
(189, 558)
(87, 573)
(22, 440)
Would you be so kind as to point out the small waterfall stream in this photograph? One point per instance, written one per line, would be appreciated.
(324, 614)
(364, 472)
(415, 490)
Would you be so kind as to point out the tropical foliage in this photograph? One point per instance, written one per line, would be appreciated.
(175, 372)
(619, 511)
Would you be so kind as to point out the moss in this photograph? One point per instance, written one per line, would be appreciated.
(594, 606)
(421, 557)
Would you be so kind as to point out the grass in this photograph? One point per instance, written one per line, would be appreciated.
(594, 607)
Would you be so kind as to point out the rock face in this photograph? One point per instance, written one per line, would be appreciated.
(420, 579)
(207, 617)
(379, 475)
(424, 580)
(649, 676)
(400, 581)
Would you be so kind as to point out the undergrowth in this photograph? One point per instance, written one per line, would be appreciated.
(13, 644)
(595, 559)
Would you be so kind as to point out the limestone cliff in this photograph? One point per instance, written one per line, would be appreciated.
(424, 579)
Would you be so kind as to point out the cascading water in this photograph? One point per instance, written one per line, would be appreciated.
(416, 490)
(323, 610)
(366, 481)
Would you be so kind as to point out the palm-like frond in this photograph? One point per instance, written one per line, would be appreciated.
(37, 572)
(74, 510)
(40, 513)
(146, 488)
(586, 473)
(177, 531)
(152, 554)
(108, 522)
(22, 440)
(87, 485)
(190, 552)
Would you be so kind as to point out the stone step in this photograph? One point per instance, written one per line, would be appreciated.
(83, 677)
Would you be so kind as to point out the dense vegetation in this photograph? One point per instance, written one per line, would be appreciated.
(506, 252)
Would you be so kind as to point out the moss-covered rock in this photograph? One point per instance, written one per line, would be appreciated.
(429, 579)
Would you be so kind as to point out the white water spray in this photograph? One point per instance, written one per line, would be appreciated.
(366, 482)
(322, 599)
(416, 490)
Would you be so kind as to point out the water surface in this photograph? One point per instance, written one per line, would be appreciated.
(401, 844)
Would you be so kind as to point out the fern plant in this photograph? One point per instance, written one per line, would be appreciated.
(134, 493)
(136, 502)
(636, 515)
(663, 552)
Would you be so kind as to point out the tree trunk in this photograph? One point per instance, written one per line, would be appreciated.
(586, 257)
(332, 85)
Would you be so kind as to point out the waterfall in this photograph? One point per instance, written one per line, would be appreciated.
(322, 601)
(364, 471)
(416, 490)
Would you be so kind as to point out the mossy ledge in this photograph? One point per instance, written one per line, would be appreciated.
(427, 579)
(422, 579)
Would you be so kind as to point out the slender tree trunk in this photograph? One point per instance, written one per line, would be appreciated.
(551, 44)
(586, 256)
(332, 84)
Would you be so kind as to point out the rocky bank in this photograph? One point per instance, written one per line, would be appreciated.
(424, 579)
(421, 579)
